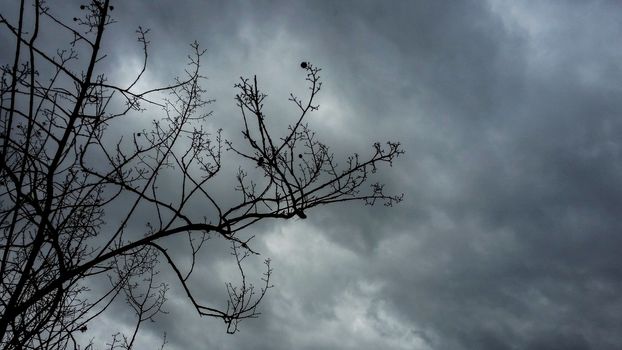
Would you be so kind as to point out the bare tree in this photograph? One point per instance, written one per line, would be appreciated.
(62, 169)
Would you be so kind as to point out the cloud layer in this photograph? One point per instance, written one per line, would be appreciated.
(511, 116)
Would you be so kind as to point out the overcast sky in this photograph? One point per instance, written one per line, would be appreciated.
(510, 112)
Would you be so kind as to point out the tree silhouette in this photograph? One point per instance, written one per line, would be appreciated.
(64, 164)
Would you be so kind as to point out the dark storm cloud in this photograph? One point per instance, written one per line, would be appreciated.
(510, 114)
(508, 235)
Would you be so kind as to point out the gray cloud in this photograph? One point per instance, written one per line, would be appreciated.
(509, 234)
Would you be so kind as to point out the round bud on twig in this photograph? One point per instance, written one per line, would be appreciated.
(303, 65)
(300, 156)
